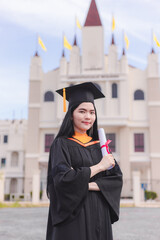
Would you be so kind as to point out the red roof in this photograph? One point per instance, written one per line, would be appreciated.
(113, 42)
(93, 18)
(63, 54)
(152, 50)
(123, 52)
(75, 41)
(36, 54)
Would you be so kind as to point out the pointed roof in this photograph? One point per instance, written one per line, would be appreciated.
(123, 53)
(36, 54)
(113, 42)
(93, 18)
(63, 55)
(152, 51)
(75, 41)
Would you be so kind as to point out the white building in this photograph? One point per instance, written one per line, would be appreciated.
(130, 114)
(12, 154)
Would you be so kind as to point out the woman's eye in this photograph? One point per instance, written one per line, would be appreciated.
(92, 113)
(82, 111)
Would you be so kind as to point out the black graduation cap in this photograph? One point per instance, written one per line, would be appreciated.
(76, 94)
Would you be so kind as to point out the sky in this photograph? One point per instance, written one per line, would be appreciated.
(22, 20)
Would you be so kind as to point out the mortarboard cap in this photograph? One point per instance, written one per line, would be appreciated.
(84, 92)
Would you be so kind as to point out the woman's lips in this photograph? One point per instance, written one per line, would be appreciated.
(87, 123)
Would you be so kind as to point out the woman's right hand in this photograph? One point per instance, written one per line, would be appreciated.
(107, 162)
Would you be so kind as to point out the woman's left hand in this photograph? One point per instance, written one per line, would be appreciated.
(92, 186)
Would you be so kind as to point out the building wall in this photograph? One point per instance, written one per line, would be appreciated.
(122, 115)
(13, 151)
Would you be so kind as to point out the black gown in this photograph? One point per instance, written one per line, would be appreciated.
(75, 213)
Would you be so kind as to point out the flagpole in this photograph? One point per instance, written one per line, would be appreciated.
(37, 42)
(62, 41)
(75, 25)
(123, 39)
(151, 38)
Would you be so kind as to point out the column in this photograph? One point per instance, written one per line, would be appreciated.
(36, 187)
(136, 188)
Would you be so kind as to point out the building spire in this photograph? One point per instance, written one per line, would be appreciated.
(152, 50)
(63, 55)
(123, 52)
(113, 42)
(75, 41)
(36, 54)
(93, 18)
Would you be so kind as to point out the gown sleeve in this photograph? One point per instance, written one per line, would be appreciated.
(110, 186)
(69, 188)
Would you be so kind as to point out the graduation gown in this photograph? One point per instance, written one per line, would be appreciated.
(75, 213)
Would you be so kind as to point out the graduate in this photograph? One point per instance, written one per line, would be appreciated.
(84, 195)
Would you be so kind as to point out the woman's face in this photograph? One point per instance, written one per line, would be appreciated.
(84, 117)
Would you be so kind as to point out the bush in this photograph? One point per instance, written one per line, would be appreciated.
(21, 197)
(7, 197)
(150, 195)
(40, 194)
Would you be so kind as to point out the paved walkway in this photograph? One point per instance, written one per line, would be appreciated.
(30, 223)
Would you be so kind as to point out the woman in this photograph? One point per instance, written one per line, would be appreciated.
(84, 195)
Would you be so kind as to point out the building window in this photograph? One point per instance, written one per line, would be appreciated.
(13, 185)
(49, 96)
(14, 159)
(3, 162)
(112, 137)
(48, 141)
(114, 90)
(138, 95)
(139, 142)
(5, 139)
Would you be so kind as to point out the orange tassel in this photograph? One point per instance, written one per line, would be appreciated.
(64, 100)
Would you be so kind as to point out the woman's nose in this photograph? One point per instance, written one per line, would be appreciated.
(87, 115)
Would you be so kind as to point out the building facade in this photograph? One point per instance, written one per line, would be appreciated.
(12, 154)
(130, 113)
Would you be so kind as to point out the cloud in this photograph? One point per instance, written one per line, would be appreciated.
(50, 17)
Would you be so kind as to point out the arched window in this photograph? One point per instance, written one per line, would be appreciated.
(49, 96)
(138, 95)
(13, 185)
(114, 90)
(14, 159)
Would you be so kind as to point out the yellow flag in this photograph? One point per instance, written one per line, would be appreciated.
(41, 44)
(156, 40)
(126, 40)
(113, 24)
(78, 24)
(66, 43)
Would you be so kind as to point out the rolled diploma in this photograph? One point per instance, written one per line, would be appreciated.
(103, 140)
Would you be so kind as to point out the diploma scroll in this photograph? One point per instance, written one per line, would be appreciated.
(104, 143)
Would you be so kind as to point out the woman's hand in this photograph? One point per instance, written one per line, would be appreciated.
(92, 186)
(107, 162)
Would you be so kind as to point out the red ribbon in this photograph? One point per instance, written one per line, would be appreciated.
(106, 145)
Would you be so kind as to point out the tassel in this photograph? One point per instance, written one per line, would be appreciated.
(64, 100)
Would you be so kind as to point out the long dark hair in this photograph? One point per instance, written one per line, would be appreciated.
(67, 129)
